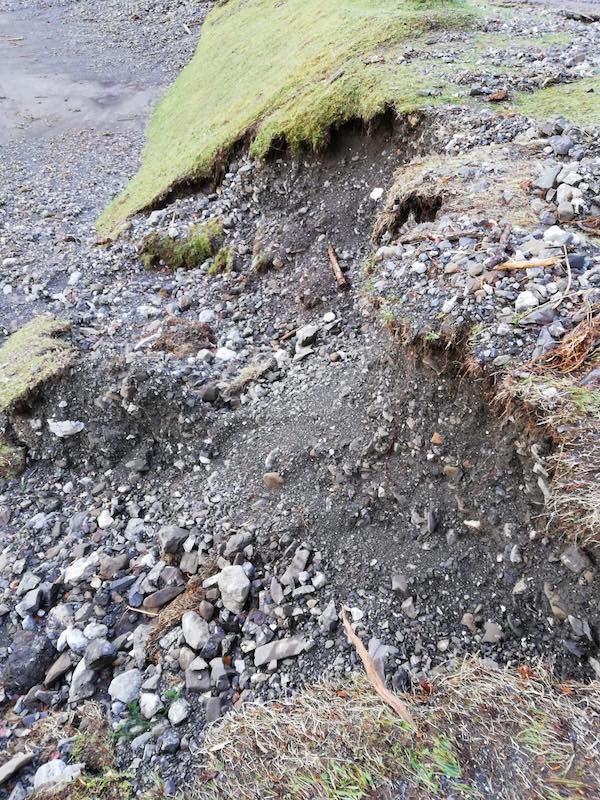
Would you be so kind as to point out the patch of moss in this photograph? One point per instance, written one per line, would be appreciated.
(223, 262)
(163, 252)
(31, 356)
(262, 73)
(578, 101)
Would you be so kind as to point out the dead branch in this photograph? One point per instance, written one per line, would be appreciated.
(337, 270)
(373, 675)
(507, 266)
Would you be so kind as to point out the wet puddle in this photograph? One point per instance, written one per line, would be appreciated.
(47, 87)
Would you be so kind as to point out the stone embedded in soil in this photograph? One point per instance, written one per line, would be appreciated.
(493, 633)
(234, 586)
(576, 559)
(278, 650)
(126, 687)
(171, 538)
(272, 480)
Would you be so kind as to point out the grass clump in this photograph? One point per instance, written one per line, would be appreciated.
(481, 732)
(578, 101)
(262, 74)
(222, 263)
(31, 356)
(162, 252)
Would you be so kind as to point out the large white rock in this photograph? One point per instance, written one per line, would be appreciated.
(126, 686)
(195, 630)
(234, 586)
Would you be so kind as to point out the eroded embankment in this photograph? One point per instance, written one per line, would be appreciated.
(260, 422)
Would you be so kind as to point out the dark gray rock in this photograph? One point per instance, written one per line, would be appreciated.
(26, 666)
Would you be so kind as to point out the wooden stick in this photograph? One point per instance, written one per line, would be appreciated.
(531, 264)
(337, 270)
(141, 611)
(373, 675)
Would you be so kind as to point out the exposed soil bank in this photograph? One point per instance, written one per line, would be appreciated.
(262, 423)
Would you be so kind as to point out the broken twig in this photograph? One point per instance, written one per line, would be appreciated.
(374, 677)
(531, 264)
(337, 270)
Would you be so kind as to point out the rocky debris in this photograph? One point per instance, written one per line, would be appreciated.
(179, 712)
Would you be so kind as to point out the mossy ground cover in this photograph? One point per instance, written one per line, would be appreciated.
(262, 71)
(30, 356)
(201, 243)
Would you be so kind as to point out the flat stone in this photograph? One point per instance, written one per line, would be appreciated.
(408, 608)
(212, 709)
(278, 650)
(14, 764)
(547, 178)
(162, 596)
(82, 569)
(306, 335)
(526, 301)
(60, 667)
(55, 773)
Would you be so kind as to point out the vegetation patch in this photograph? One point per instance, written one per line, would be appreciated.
(480, 732)
(12, 460)
(578, 101)
(31, 356)
(261, 74)
(222, 263)
(164, 253)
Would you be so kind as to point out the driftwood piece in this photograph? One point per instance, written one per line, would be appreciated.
(374, 677)
(337, 270)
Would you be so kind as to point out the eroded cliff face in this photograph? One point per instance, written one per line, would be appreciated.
(375, 387)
